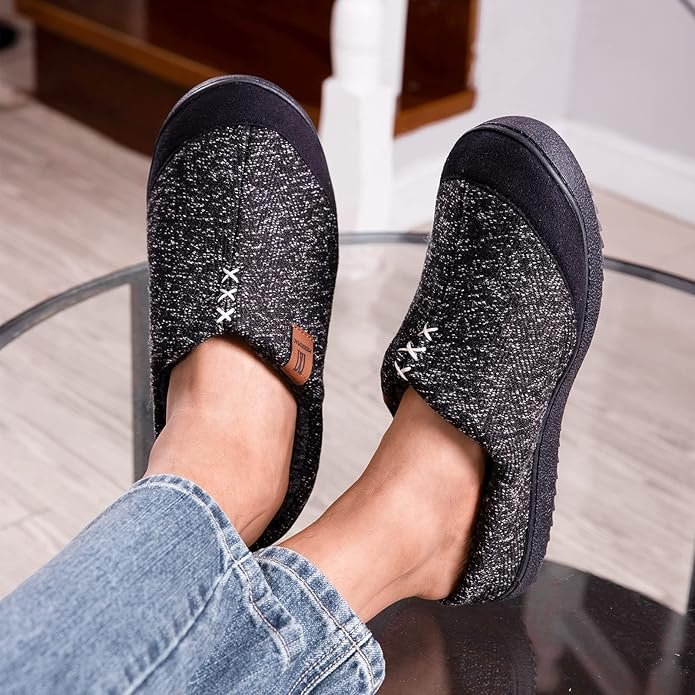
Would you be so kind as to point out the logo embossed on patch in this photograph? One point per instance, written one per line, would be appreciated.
(298, 367)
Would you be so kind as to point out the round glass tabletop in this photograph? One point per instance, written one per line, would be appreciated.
(609, 611)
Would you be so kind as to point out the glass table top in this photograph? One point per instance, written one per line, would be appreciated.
(609, 611)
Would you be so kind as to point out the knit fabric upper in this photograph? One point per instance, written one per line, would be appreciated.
(485, 342)
(242, 240)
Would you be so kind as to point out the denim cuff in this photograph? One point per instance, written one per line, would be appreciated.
(230, 541)
(340, 624)
(310, 622)
(271, 614)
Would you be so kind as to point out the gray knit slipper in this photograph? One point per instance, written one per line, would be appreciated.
(500, 323)
(243, 241)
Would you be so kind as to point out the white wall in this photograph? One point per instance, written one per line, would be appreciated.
(523, 60)
(634, 71)
(631, 106)
(616, 78)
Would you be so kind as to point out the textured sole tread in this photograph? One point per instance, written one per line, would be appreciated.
(558, 159)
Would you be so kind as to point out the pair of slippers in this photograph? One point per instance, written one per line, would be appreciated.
(243, 241)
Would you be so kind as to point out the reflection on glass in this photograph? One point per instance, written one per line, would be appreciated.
(431, 648)
(571, 632)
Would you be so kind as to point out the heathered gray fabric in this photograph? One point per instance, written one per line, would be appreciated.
(506, 331)
(241, 197)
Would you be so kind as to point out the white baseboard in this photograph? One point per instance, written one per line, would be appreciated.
(610, 161)
(649, 176)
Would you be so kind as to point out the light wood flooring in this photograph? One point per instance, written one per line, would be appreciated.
(72, 207)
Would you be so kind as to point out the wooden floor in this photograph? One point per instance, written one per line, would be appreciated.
(72, 207)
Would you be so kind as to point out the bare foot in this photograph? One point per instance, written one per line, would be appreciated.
(403, 529)
(230, 429)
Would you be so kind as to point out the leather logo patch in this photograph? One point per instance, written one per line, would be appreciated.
(298, 367)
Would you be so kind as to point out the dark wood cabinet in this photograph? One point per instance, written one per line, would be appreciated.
(120, 65)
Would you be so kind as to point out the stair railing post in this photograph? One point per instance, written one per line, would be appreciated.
(358, 110)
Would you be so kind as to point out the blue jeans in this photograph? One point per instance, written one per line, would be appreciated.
(160, 595)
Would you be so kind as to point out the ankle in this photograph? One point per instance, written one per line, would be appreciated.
(403, 529)
(230, 429)
(440, 477)
(354, 549)
(243, 480)
(428, 514)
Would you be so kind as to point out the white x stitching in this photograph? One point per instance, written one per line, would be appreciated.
(230, 274)
(402, 371)
(228, 293)
(427, 331)
(224, 315)
(412, 351)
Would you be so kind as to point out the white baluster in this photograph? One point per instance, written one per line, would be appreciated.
(357, 115)
(393, 43)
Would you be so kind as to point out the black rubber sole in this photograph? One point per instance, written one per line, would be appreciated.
(236, 79)
(239, 100)
(554, 154)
